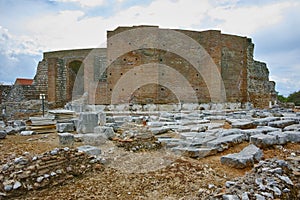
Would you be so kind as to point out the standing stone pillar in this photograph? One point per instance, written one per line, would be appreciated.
(87, 122)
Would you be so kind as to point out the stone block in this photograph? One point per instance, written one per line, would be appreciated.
(159, 130)
(2, 124)
(25, 133)
(2, 134)
(294, 127)
(226, 132)
(195, 152)
(281, 123)
(265, 121)
(293, 136)
(87, 122)
(230, 197)
(172, 142)
(65, 127)
(244, 158)
(199, 128)
(156, 124)
(66, 139)
(243, 125)
(91, 150)
(263, 141)
(93, 139)
(223, 143)
(105, 131)
(102, 118)
(281, 137)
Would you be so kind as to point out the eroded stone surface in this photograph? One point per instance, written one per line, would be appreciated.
(244, 158)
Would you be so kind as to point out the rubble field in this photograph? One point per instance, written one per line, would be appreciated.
(236, 155)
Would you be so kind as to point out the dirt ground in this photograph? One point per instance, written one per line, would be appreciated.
(145, 175)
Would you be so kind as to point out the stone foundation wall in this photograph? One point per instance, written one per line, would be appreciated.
(28, 173)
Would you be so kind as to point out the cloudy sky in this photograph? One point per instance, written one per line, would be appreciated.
(30, 27)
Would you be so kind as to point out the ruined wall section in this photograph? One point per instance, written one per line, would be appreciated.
(261, 90)
(234, 67)
(4, 92)
(60, 83)
(40, 81)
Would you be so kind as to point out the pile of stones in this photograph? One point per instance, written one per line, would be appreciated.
(136, 138)
(11, 128)
(269, 179)
(19, 175)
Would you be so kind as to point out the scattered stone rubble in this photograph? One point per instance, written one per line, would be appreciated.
(19, 175)
(269, 179)
(133, 137)
(196, 134)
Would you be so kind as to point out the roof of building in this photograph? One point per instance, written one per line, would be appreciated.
(23, 81)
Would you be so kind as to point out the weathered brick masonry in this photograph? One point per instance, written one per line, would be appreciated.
(146, 64)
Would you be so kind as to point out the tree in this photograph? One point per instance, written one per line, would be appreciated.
(295, 98)
(282, 98)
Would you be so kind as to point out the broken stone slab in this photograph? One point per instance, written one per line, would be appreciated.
(2, 124)
(265, 121)
(199, 128)
(19, 123)
(193, 122)
(226, 132)
(65, 127)
(230, 197)
(166, 115)
(243, 125)
(11, 130)
(294, 127)
(172, 142)
(159, 130)
(26, 133)
(214, 125)
(105, 131)
(259, 130)
(294, 118)
(195, 152)
(91, 150)
(87, 122)
(281, 137)
(293, 136)
(223, 143)
(200, 142)
(195, 139)
(182, 129)
(244, 158)
(281, 123)
(91, 139)
(66, 139)
(215, 117)
(163, 119)
(263, 141)
(156, 124)
(2, 134)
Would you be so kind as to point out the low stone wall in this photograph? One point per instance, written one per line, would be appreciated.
(26, 173)
(157, 107)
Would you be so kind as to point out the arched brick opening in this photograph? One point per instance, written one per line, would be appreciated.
(75, 74)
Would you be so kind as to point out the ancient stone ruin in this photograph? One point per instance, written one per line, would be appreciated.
(158, 113)
(149, 65)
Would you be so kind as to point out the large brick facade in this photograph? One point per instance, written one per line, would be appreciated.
(146, 64)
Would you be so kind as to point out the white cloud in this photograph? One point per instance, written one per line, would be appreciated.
(249, 19)
(70, 29)
(12, 45)
(85, 3)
